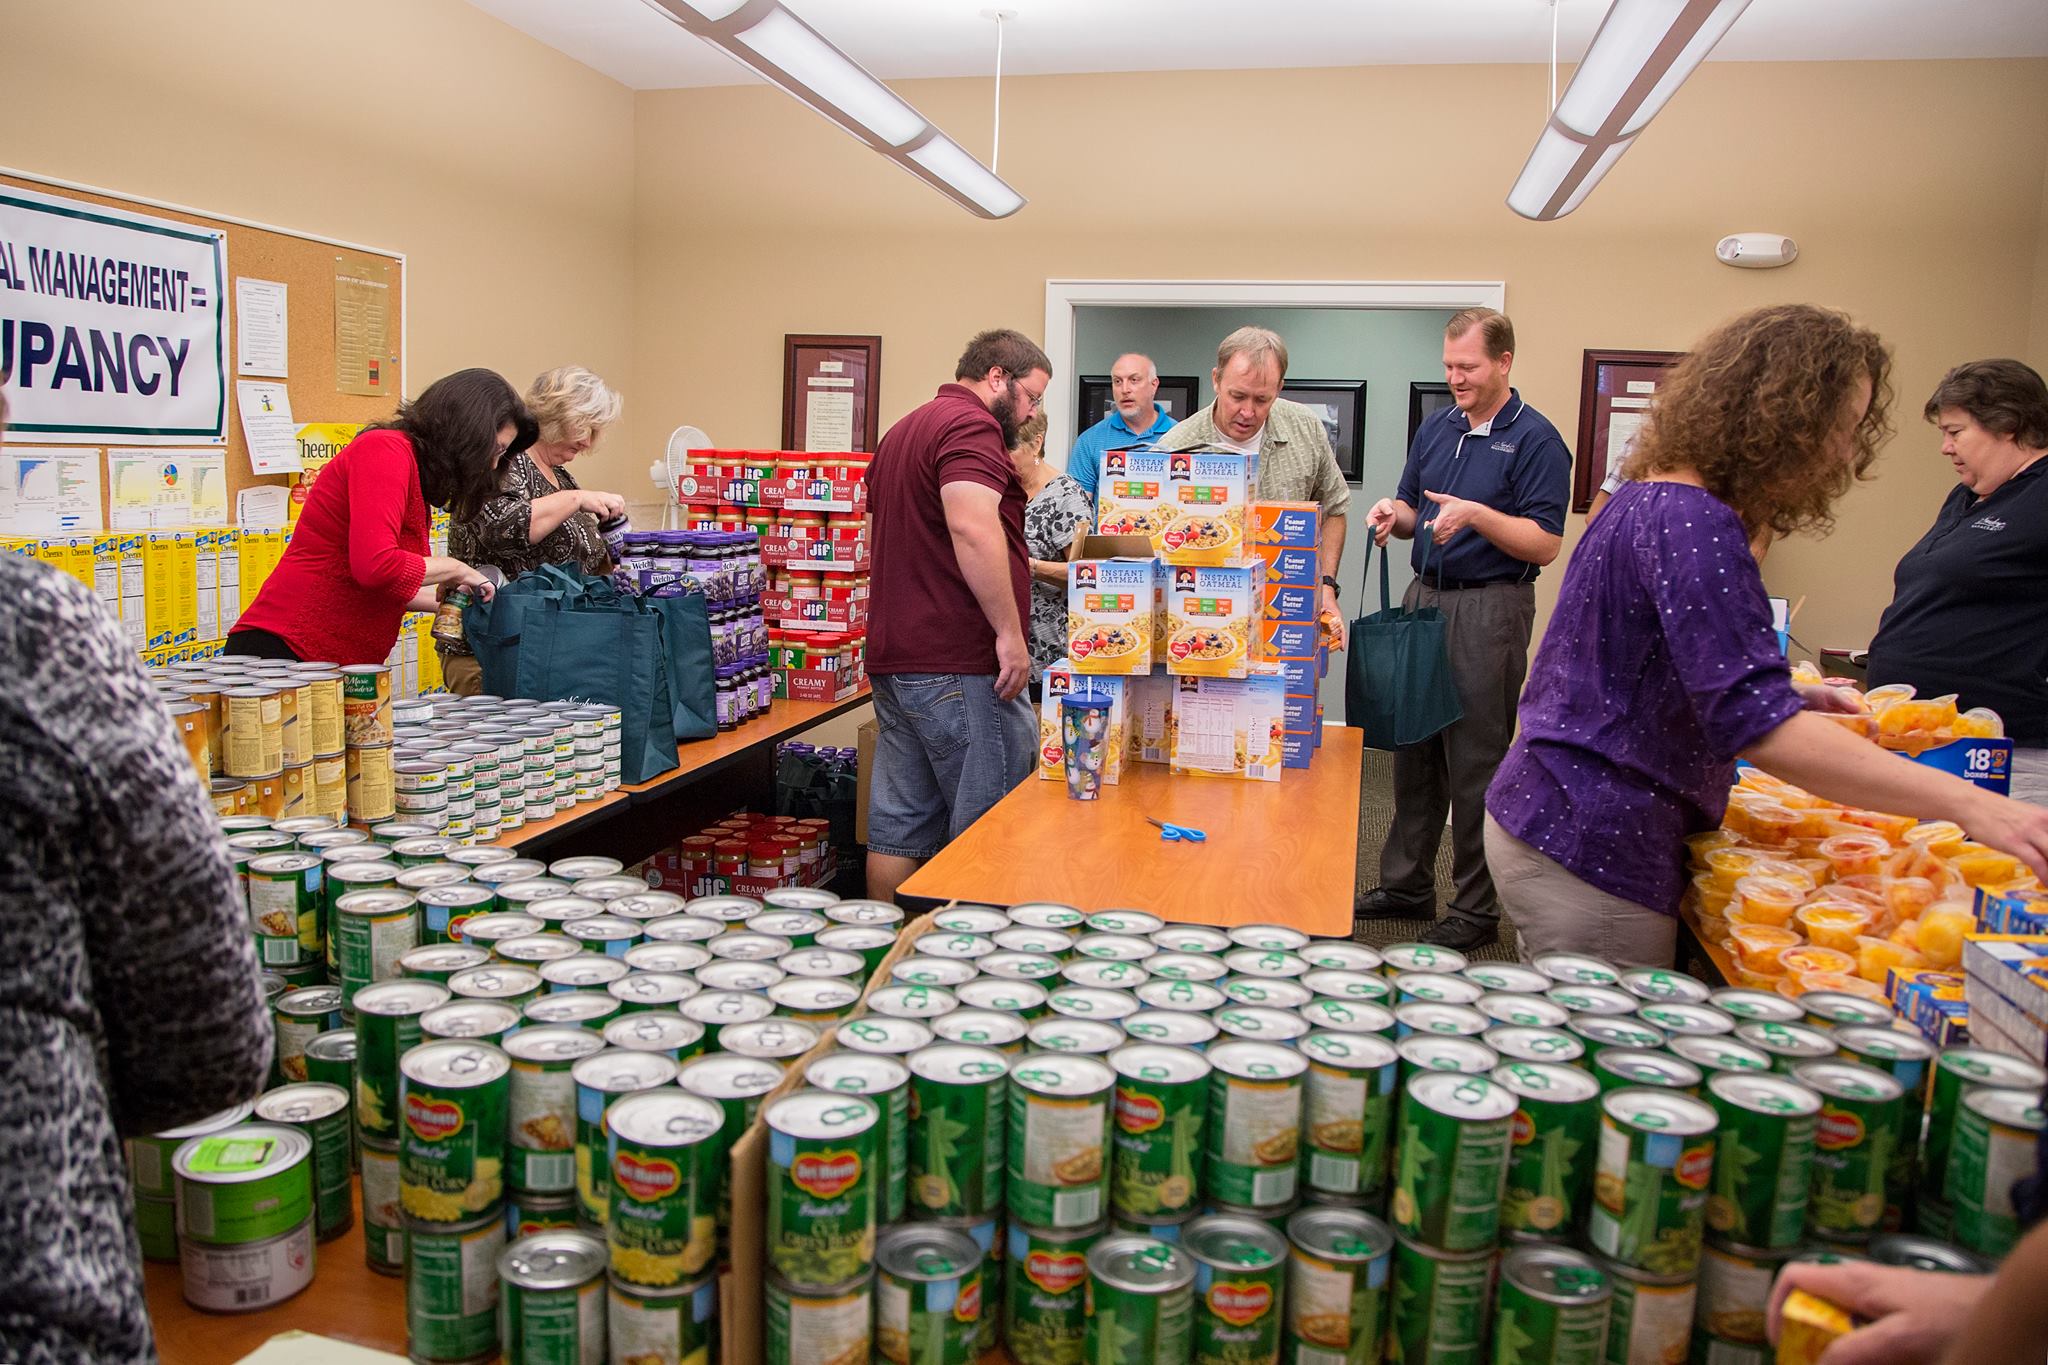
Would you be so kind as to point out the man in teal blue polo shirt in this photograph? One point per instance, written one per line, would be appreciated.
(1139, 419)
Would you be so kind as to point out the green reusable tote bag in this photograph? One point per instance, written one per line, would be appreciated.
(1397, 681)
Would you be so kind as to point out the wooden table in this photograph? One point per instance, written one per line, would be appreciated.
(1281, 852)
(347, 1301)
(1710, 962)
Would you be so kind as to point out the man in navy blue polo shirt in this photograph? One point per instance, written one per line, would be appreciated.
(1483, 496)
(1139, 419)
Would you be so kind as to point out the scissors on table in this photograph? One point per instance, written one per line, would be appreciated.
(1175, 833)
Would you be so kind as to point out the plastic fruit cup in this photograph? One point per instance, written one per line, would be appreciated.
(1987, 867)
(1766, 900)
(1855, 855)
(1757, 981)
(1817, 823)
(1712, 896)
(1757, 946)
(1880, 698)
(1698, 846)
(1787, 869)
(1728, 865)
(1876, 956)
(1715, 930)
(1772, 823)
(1833, 925)
(1942, 838)
(1807, 959)
(1940, 935)
(1892, 827)
(1791, 987)
(1908, 896)
(1841, 983)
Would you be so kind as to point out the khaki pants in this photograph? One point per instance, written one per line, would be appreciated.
(1554, 911)
(463, 675)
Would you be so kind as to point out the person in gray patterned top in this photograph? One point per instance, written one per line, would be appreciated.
(129, 1000)
(540, 515)
(1059, 510)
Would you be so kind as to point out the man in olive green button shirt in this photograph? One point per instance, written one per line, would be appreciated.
(1296, 463)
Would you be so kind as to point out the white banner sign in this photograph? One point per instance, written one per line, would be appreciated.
(114, 323)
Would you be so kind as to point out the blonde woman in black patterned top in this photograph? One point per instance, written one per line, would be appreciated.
(1056, 510)
(540, 515)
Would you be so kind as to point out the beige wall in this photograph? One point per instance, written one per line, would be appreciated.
(756, 218)
(414, 125)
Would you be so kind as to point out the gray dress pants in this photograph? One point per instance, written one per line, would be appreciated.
(1488, 637)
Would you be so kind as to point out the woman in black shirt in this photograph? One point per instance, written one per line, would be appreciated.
(1969, 611)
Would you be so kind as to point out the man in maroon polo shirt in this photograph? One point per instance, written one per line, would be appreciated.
(948, 600)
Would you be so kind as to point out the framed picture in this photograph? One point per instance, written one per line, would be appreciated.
(831, 392)
(1179, 392)
(1341, 405)
(1424, 397)
(1615, 389)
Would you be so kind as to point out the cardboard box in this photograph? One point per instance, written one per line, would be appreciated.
(1285, 526)
(812, 613)
(1280, 565)
(1110, 615)
(1148, 718)
(1230, 727)
(1280, 640)
(1190, 504)
(1061, 682)
(1297, 750)
(817, 684)
(1290, 602)
(1985, 762)
(1209, 620)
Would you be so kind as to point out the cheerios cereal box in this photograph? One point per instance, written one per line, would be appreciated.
(1061, 682)
(1230, 727)
(1110, 616)
(1209, 613)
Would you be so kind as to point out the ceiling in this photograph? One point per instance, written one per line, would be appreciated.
(904, 39)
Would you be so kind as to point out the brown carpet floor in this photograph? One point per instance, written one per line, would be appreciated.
(1375, 818)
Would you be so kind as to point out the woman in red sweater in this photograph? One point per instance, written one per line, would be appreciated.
(358, 559)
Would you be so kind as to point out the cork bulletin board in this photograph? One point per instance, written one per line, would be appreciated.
(316, 272)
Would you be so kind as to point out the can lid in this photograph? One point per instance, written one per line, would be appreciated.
(398, 998)
(857, 1073)
(822, 1114)
(454, 1065)
(1546, 1082)
(1257, 1061)
(1093, 1037)
(641, 905)
(873, 913)
(584, 971)
(1269, 938)
(883, 1034)
(1664, 985)
(971, 919)
(256, 840)
(584, 865)
(1423, 957)
(1556, 1275)
(1349, 1051)
(552, 1043)
(212, 1123)
(920, 970)
(454, 896)
(301, 1102)
(1982, 1066)
(926, 1254)
(1450, 1021)
(1124, 922)
(1186, 967)
(1347, 984)
(820, 963)
(729, 909)
(1438, 988)
(1715, 1053)
(1191, 938)
(752, 978)
(561, 909)
(1097, 973)
(652, 1031)
(600, 929)
(1270, 992)
(377, 870)
(1176, 1027)
(719, 1008)
(912, 1002)
(1636, 1067)
(1593, 1000)
(1522, 1011)
(1020, 997)
(1229, 1242)
(568, 1007)
(684, 928)
(1576, 969)
(728, 1077)
(1058, 1074)
(1660, 1111)
(1345, 1235)
(674, 958)
(2007, 1108)
(1469, 1099)
(240, 1155)
(1266, 963)
(335, 1045)
(1534, 1044)
(1036, 942)
(1184, 996)
(664, 1118)
(535, 949)
(1465, 1056)
(777, 1039)
(556, 1259)
(787, 923)
(823, 995)
(469, 1019)
(619, 1071)
(494, 982)
(1347, 1016)
(310, 1000)
(1685, 1020)
(1786, 1040)
(1507, 978)
(653, 988)
(1159, 1065)
(813, 898)
(431, 874)
(982, 1028)
(1141, 1264)
(532, 889)
(1889, 1043)
(503, 924)
(1092, 1002)
(1762, 1093)
(283, 864)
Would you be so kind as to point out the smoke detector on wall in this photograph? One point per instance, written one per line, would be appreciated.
(1756, 250)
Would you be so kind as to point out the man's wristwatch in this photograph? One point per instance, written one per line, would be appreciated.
(1333, 585)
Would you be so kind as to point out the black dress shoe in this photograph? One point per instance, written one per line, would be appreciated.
(1461, 934)
(1379, 903)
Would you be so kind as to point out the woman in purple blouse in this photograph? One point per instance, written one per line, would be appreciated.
(1661, 667)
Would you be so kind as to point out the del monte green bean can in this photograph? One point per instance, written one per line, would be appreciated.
(1717, 1054)
(1057, 1140)
(955, 1141)
(1551, 1309)
(1338, 1263)
(1616, 1067)
(451, 1152)
(244, 1217)
(1451, 1161)
(551, 1301)
(1551, 1148)
(1650, 1185)
(662, 1156)
(1253, 1130)
(1995, 1141)
(1787, 1045)
(885, 1080)
(1956, 1070)
(928, 1296)
(1156, 1139)
(1763, 1158)
(831, 1326)
(1862, 1121)
(821, 1186)
(1348, 1105)
(540, 1155)
(1045, 1311)
(1441, 1303)
(1240, 1281)
(1901, 1055)
(321, 1112)
(1140, 1302)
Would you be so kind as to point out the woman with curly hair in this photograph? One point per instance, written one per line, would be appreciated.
(1661, 666)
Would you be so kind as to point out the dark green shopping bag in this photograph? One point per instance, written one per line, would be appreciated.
(493, 629)
(612, 655)
(1397, 683)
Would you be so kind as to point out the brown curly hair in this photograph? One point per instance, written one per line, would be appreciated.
(1753, 410)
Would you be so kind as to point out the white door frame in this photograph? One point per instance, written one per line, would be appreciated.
(1063, 297)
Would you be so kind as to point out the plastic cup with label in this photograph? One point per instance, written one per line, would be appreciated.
(1084, 744)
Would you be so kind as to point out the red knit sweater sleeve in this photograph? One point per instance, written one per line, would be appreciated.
(378, 490)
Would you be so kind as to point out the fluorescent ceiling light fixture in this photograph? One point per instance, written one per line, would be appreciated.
(1641, 54)
(765, 37)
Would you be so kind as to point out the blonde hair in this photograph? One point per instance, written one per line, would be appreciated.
(1254, 344)
(1032, 430)
(570, 403)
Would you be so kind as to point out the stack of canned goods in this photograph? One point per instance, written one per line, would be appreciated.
(266, 734)
(476, 768)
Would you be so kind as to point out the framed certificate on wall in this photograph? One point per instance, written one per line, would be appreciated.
(1615, 391)
(831, 393)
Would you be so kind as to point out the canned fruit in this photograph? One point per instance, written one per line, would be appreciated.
(1451, 1163)
(1650, 1184)
(821, 1195)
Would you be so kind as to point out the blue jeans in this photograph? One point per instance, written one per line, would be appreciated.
(948, 749)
